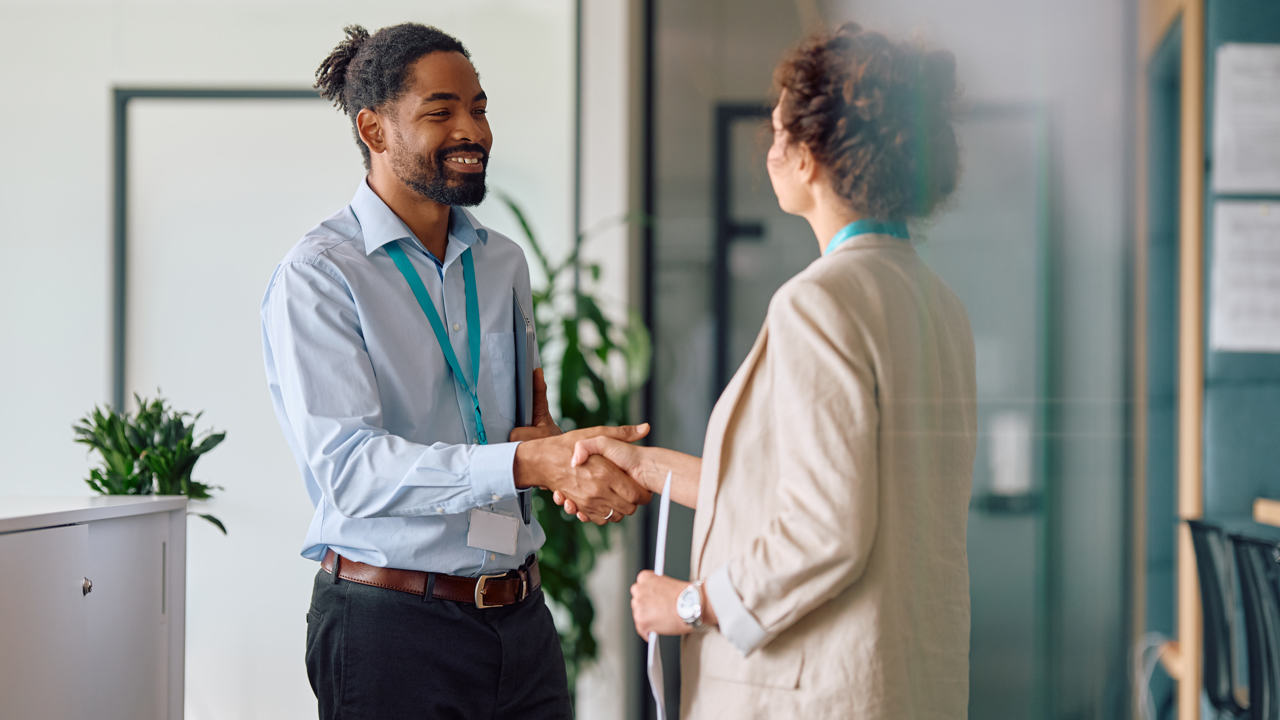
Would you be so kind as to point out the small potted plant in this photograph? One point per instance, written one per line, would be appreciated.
(149, 453)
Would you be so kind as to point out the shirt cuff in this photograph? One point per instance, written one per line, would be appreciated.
(737, 624)
(492, 476)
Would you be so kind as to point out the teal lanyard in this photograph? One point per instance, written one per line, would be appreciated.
(473, 322)
(868, 227)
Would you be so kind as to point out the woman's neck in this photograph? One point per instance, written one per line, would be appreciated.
(827, 218)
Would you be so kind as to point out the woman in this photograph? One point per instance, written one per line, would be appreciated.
(831, 498)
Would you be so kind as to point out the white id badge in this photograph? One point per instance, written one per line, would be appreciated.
(493, 531)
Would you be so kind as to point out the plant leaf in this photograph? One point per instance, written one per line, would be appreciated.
(209, 443)
(216, 522)
(587, 394)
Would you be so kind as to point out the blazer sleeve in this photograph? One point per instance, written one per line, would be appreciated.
(823, 392)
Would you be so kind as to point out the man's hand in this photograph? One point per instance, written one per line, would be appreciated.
(628, 458)
(599, 490)
(543, 425)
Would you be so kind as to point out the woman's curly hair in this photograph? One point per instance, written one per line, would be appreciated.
(877, 115)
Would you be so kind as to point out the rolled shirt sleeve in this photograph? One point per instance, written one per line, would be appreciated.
(330, 399)
(735, 621)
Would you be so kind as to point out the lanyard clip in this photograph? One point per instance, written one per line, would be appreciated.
(480, 433)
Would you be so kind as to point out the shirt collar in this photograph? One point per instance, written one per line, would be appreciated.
(380, 225)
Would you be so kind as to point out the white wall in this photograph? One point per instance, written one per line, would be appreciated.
(608, 121)
(196, 281)
(62, 59)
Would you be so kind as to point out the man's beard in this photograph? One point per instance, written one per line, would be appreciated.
(434, 180)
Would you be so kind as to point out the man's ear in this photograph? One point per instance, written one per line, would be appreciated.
(373, 130)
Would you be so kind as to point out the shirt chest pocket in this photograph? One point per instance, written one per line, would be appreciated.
(501, 348)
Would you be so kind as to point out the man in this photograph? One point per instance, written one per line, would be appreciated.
(387, 332)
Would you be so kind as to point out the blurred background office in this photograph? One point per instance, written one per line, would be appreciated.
(160, 157)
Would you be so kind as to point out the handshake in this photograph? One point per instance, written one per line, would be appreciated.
(587, 484)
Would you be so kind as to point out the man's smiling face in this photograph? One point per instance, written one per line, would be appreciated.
(439, 140)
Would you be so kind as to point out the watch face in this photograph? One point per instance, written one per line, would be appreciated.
(689, 604)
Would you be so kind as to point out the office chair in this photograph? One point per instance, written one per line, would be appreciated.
(1256, 561)
(1215, 568)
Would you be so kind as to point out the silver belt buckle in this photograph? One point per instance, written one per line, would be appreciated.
(480, 583)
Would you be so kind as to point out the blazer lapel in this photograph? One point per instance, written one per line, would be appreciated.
(722, 416)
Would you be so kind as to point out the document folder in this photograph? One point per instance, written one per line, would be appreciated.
(525, 338)
(656, 682)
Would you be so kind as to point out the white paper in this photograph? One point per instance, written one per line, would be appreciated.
(1246, 119)
(1244, 301)
(659, 563)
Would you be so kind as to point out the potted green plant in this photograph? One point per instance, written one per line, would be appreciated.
(152, 452)
(599, 364)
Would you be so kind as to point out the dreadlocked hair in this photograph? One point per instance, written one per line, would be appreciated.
(370, 71)
(331, 77)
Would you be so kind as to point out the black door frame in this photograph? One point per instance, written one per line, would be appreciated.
(727, 229)
(120, 198)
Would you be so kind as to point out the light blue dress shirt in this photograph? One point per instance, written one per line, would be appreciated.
(383, 434)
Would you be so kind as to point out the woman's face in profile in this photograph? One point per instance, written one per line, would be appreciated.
(783, 164)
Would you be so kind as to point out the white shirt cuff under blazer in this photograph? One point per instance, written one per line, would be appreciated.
(735, 621)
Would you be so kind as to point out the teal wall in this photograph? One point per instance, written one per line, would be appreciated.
(1241, 390)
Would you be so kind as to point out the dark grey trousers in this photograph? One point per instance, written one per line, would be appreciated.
(374, 653)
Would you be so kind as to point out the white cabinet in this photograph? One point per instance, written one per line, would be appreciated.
(92, 608)
(41, 621)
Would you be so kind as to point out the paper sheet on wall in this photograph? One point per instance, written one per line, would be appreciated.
(659, 563)
(1246, 119)
(1244, 301)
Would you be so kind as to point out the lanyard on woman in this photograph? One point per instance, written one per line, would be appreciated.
(473, 322)
(868, 227)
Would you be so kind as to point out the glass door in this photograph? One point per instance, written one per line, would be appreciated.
(990, 246)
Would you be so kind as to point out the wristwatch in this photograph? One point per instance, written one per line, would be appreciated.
(689, 606)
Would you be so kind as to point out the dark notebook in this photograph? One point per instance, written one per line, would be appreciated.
(525, 339)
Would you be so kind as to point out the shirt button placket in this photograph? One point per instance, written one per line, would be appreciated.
(455, 306)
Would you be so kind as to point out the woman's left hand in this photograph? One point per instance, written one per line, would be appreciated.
(653, 605)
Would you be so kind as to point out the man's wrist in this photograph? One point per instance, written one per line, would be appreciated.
(520, 464)
(527, 467)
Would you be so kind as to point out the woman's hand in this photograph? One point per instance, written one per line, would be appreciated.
(600, 491)
(653, 605)
(628, 458)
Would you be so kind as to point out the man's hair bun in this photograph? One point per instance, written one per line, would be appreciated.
(331, 76)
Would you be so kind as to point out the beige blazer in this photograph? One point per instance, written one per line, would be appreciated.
(835, 487)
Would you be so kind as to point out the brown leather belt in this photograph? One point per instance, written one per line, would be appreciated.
(485, 591)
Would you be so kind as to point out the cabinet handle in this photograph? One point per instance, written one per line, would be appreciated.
(87, 587)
